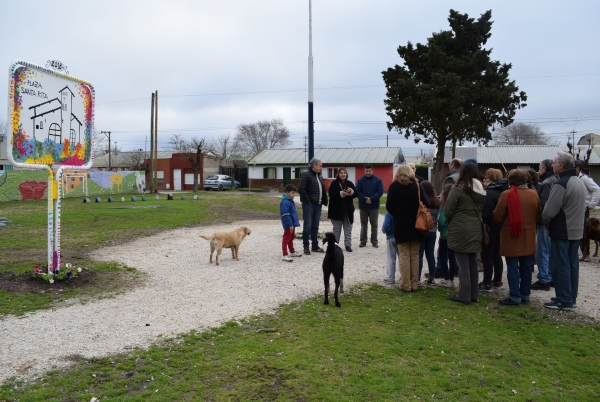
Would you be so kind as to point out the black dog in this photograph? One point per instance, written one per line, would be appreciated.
(333, 263)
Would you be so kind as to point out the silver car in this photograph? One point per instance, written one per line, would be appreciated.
(219, 182)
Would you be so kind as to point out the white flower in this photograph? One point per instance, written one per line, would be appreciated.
(69, 265)
(51, 281)
(79, 269)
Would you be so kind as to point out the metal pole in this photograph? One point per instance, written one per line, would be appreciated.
(311, 128)
(156, 140)
(151, 177)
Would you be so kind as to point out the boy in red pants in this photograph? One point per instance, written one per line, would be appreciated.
(289, 220)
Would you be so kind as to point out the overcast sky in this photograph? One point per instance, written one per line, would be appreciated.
(217, 64)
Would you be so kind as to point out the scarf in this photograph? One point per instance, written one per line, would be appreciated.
(515, 215)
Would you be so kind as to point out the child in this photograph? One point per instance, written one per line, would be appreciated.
(392, 250)
(289, 220)
(445, 254)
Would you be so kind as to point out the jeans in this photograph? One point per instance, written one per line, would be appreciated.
(311, 215)
(468, 274)
(447, 255)
(518, 274)
(368, 216)
(542, 256)
(564, 263)
(337, 231)
(492, 262)
(393, 255)
(427, 247)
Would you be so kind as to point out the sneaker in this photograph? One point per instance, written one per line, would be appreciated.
(375, 245)
(386, 280)
(498, 285)
(540, 286)
(431, 281)
(445, 283)
(306, 251)
(554, 299)
(287, 258)
(362, 245)
(295, 254)
(349, 249)
(482, 287)
(556, 305)
(508, 302)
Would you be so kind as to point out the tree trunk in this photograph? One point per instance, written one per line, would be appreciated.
(438, 167)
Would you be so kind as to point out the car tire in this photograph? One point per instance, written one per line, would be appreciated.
(206, 188)
(220, 187)
(237, 186)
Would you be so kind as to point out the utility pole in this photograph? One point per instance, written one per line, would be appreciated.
(573, 132)
(107, 133)
(311, 128)
(156, 140)
(152, 146)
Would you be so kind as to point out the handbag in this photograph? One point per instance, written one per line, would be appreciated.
(424, 221)
(485, 229)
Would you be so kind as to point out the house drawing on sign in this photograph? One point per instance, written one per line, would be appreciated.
(57, 131)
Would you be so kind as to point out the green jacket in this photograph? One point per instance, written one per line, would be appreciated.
(464, 227)
(442, 224)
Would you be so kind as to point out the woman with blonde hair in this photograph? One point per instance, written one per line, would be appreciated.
(403, 204)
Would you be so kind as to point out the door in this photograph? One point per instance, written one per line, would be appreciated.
(287, 175)
(176, 179)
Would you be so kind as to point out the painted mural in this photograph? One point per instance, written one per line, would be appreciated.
(51, 117)
(16, 185)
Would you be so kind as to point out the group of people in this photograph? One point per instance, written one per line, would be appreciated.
(527, 217)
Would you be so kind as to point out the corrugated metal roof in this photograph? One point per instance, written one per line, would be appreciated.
(341, 156)
(526, 154)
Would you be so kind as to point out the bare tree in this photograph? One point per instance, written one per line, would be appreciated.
(193, 152)
(264, 134)
(135, 159)
(520, 134)
(226, 149)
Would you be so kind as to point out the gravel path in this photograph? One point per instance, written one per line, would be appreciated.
(184, 292)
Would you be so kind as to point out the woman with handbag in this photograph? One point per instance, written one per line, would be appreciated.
(462, 211)
(402, 203)
(517, 211)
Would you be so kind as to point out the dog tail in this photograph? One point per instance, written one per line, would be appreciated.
(207, 237)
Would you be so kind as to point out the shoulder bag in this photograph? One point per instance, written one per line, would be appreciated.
(424, 221)
(485, 229)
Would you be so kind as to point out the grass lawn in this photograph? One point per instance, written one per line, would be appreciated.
(381, 345)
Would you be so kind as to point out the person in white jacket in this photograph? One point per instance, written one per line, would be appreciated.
(592, 197)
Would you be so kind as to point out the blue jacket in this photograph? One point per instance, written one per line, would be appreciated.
(287, 212)
(371, 187)
(388, 226)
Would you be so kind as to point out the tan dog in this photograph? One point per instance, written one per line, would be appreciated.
(231, 240)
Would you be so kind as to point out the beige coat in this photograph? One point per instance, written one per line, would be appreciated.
(525, 244)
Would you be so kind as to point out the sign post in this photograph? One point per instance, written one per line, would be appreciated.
(51, 117)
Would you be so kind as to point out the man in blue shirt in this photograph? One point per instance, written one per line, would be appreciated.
(369, 189)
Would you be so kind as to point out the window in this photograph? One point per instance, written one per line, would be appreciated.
(160, 175)
(332, 172)
(269, 173)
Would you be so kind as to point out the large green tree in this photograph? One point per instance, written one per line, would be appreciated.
(449, 90)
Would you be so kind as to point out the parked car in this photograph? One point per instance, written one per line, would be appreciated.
(219, 182)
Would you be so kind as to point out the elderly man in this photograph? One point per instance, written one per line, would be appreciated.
(414, 169)
(313, 196)
(563, 214)
(542, 255)
(452, 175)
(592, 197)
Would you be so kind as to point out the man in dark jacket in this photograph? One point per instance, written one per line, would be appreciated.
(369, 189)
(452, 175)
(542, 255)
(563, 213)
(313, 196)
